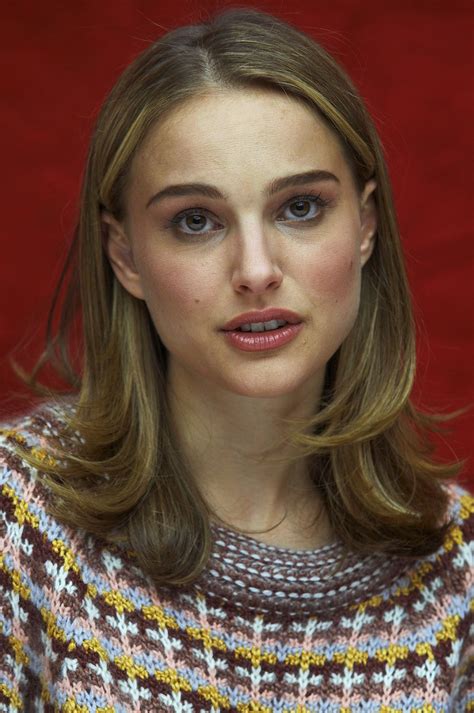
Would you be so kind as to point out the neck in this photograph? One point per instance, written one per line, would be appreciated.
(223, 436)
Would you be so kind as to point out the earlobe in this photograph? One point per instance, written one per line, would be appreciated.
(119, 252)
(368, 220)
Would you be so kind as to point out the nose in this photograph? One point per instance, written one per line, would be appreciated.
(256, 268)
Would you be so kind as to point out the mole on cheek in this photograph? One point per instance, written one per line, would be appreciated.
(197, 301)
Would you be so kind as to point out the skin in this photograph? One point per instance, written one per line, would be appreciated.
(251, 252)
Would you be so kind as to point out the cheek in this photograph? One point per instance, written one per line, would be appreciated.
(335, 275)
(171, 288)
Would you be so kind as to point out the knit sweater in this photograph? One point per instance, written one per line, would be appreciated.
(264, 628)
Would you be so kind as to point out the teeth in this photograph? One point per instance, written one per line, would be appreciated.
(263, 326)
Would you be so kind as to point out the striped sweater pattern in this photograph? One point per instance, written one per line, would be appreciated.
(264, 628)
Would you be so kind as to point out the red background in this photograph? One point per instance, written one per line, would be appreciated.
(413, 63)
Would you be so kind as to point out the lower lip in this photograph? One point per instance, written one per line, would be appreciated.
(263, 341)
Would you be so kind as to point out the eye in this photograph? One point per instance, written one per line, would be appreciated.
(193, 222)
(304, 208)
(197, 221)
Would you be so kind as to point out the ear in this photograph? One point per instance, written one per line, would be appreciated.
(119, 251)
(368, 220)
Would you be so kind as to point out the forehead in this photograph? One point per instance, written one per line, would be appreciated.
(238, 132)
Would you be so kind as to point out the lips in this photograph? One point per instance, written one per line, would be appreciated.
(265, 315)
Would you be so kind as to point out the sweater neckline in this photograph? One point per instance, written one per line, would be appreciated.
(245, 574)
(236, 538)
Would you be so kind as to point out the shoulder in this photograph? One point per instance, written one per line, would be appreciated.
(452, 588)
(454, 560)
(461, 515)
(30, 434)
(42, 585)
(24, 496)
(35, 428)
(36, 547)
(445, 578)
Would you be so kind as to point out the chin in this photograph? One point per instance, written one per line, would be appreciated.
(266, 389)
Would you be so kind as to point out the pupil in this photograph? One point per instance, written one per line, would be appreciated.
(195, 221)
(301, 207)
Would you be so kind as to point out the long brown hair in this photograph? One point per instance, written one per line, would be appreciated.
(118, 470)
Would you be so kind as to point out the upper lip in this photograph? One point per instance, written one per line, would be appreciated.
(265, 315)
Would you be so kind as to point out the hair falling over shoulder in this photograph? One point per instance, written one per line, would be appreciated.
(117, 469)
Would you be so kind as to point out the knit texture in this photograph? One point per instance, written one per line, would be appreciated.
(263, 629)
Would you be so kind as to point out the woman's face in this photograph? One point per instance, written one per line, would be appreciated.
(241, 201)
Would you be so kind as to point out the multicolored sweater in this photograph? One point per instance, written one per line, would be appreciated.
(264, 628)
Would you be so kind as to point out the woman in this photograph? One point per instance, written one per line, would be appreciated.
(234, 509)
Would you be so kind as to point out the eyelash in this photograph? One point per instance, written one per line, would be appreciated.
(314, 198)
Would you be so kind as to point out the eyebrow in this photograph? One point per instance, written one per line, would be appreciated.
(279, 184)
